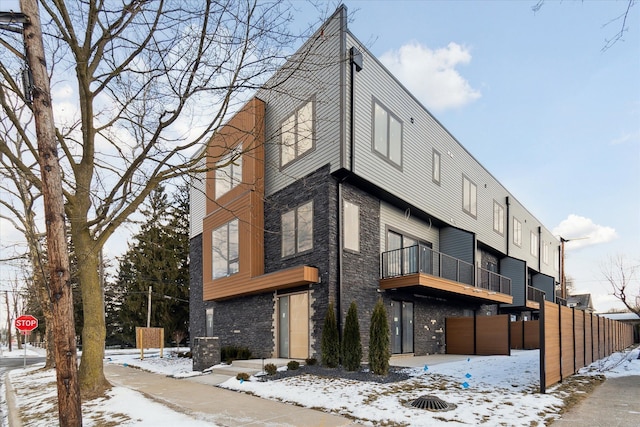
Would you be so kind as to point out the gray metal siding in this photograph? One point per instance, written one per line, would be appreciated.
(516, 270)
(413, 181)
(404, 222)
(317, 78)
(457, 243)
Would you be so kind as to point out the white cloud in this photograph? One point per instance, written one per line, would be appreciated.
(431, 75)
(575, 228)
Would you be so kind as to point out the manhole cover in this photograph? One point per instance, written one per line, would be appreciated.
(432, 403)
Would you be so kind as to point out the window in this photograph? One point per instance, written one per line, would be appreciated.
(224, 246)
(517, 232)
(533, 244)
(545, 253)
(498, 218)
(297, 134)
(297, 230)
(387, 134)
(436, 167)
(469, 197)
(228, 172)
(209, 322)
(351, 226)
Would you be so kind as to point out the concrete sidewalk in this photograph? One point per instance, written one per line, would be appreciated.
(199, 396)
(614, 403)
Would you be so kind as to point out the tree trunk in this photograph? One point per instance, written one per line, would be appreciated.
(69, 408)
(92, 380)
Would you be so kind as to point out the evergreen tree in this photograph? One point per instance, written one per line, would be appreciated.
(351, 345)
(379, 345)
(330, 341)
(157, 258)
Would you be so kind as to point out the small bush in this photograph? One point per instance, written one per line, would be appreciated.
(242, 376)
(185, 354)
(351, 345)
(270, 368)
(310, 361)
(293, 365)
(379, 346)
(330, 341)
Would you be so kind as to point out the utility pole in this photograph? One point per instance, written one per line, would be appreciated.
(69, 407)
(149, 310)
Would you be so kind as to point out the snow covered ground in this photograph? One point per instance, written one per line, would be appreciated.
(495, 390)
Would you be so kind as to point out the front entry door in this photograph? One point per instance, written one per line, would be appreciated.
(402, 327)
(293, 327)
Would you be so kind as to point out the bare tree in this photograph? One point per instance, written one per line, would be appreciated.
(620, 21)
(150, 82)
(622, 276)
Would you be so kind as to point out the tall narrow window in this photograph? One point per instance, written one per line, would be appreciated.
(297, 230)
(228, 172)
(224, 247)
(297, 134)
(498, 218)
(469, 197)
(209, 322)
(533, 245)
(387, 134)
(545, 253)
(351, 226)
(517, 232)
(436, 167)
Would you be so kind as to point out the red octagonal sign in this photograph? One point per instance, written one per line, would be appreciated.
(26, 323)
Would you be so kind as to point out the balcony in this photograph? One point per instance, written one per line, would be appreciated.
(534, 297)
(421, 266)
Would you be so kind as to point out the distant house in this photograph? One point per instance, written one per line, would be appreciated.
(335, 184)
(580, 302)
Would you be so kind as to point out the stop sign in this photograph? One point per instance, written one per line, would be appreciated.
(26, 323)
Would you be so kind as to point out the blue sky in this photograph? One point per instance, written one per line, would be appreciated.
(534, 98)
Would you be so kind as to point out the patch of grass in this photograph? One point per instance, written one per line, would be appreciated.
(575, 389)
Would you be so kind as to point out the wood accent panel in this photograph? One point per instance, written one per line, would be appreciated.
(552, 343)
(299, 326)
(578, 333)
(242, 284)
(588, 339)
(438, 283)
(517, 335)
(459, 335)
(492, 335)
(531, 334)
(534, 305)
(566, 331)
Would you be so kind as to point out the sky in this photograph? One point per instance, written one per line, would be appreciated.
(489, 390)
(534, 98)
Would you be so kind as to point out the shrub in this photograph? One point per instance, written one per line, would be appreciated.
(230, 353)
(242, 376)
(311, 361)
(270, 368)
(293, 365)
(185, 354)
(330, 342)
(379, 346)
(351, 345)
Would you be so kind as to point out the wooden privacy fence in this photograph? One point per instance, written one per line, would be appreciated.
(571, 339)
(482, 335)
(525, 335)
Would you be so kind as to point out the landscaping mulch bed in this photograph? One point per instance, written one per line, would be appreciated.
(395, 374)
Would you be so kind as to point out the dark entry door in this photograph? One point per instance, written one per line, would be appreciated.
(402, 327)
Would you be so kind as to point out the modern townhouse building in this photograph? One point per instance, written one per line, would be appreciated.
(334, 184)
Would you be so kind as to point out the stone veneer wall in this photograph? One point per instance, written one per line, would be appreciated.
(206, 352)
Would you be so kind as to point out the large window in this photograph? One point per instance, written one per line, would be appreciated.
(387, 134)
(533, 245)
(228, 172)
(517, 232)
(498, 218)
(469, 197)
(351, 226)
(224, 246)
(297, 230)
(436, 167)
(297, 134)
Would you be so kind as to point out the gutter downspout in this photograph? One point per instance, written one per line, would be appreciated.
(508, 203)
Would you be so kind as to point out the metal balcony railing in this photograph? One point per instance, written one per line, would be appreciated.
(423, 259)
(493, 281)
(535, 294)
